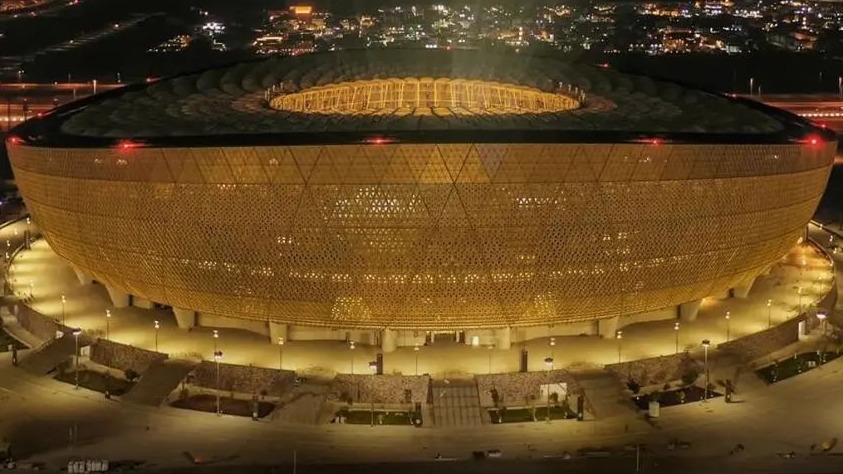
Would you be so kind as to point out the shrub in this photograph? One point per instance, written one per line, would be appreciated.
(633, 386)
(690, 376)
(131, 375)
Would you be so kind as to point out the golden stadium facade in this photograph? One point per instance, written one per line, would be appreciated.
(420, 191)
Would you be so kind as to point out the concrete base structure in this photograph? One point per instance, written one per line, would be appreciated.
(277, 333)
(742, 290)
(503, 338)
(139, 302)
(388, 342)
(688, 311)
(607, 328)
(185, 318)
(119, 298)
(84, 278)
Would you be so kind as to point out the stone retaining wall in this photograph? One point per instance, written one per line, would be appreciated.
(656, 370)
(243, 378)
(387, 389)
(124, 357)
(515, 389)
(762, 343)
(41, 326)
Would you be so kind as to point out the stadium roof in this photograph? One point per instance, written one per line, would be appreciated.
(240, 103)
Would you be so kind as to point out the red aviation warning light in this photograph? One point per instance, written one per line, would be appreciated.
(378, 141)
(14, 140)
(127, 145)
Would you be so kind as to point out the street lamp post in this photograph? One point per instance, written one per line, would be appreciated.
(216, 337)
(351, 347)
(76, 333)
(822, 317)
(490, 358)
(552, 346)
(217, 359)
(373, 366)
(63, 318)
(799, 292)
(676, 330)
(728, 326)
(705, 344)
(751, 85)
(548, 362)
(416, 353)
(280, 354)
(619, 337)
(107, 324)
(769, 314)
(840, 85)
(157, 328)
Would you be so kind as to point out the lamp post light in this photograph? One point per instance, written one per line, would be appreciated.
(705, 344)
(107, 324)
(799, 292)
(840, 85)
(769, 313)
(280, 354)
(157, 328)
(822, 317)
(728, 326)
(548, 362)
(676, 330)
(490, 357)
(76, 333)
(619, 337)
(552, 346)
(351, 347)
(216, 338)
(416, 349)
(63, 301)
(217, 359)
(373, 366)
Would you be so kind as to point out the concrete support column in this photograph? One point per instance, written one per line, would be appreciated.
(742, 289)
(607, 327)
(688, 311)
(185, 318)
(119, 298)
(503, 338)
(276, 331)
(388, 340)
(84, 278)
(143, 303)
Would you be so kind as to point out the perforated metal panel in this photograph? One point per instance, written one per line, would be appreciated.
(424, 236)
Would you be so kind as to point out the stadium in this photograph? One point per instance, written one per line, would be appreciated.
(397, 196)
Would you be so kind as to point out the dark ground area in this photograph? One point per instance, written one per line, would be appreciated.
(666, 465)
(229, 406)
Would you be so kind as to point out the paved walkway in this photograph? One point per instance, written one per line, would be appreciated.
(50, 418)
(47, 277)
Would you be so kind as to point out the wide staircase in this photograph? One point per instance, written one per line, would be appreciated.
(304, 404)
(456, 403)
(604, 393)
(45, 359)
(159, 380)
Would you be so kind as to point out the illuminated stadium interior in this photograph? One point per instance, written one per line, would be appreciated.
(425, 96)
